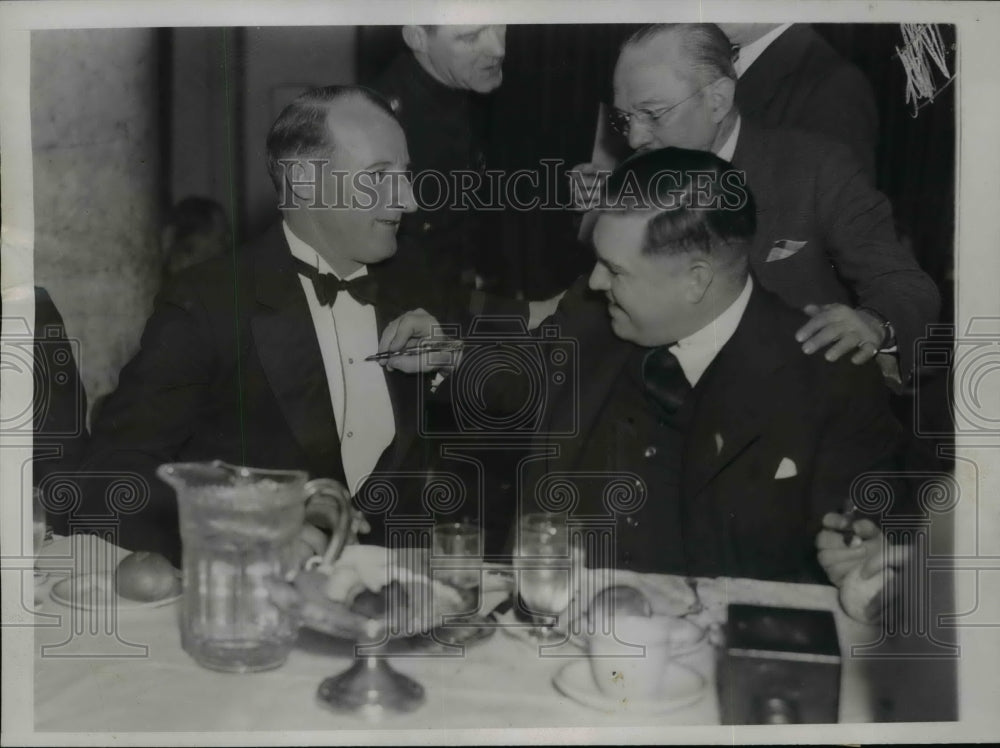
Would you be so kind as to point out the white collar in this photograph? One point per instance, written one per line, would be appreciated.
(697, 351)
(729, 147)
(310, 256)
(753, 50)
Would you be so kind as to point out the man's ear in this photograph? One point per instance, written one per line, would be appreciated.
(415, 38)
(298, 179)
(720, 98)
(701, 273)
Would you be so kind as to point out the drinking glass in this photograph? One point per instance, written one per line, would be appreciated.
(457, 560)
(458, 555)
(548, 564)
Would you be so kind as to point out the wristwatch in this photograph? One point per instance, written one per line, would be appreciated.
(888, 333)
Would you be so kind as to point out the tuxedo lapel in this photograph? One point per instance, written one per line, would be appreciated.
(288, 350)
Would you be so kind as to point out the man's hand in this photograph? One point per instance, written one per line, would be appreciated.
(843, 329)
(311, 541)
(861, 569)
(585, 184)
(409, 330)
(838, 558)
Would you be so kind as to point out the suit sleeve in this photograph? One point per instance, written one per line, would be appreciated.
(862, 448)
(148, 418)
(882, 273)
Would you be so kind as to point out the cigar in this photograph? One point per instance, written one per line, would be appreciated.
(851, 514)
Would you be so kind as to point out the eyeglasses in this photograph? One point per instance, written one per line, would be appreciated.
(621, 121)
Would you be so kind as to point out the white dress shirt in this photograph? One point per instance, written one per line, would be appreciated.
(755, 49)
(348, 332)
(697, 351)
(728, 149)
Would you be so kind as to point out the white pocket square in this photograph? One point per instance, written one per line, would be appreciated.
(786, 469)
(784, 248)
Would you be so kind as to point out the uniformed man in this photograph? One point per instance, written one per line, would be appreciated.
(438, 89)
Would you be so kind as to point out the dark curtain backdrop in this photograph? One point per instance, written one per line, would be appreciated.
(554, 79)
(916, 155)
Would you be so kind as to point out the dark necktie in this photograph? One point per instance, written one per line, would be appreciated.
(328, 285)
(664, 380)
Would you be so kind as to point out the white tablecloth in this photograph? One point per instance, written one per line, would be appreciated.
(92, 674)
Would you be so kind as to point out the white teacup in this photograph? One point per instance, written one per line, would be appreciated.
(632, 659)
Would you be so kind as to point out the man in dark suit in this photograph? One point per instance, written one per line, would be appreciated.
(790, 77)
(731, 443)
(259, 359)
(825, 240)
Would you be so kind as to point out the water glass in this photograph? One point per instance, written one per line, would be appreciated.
(548, 565)
(458, 558)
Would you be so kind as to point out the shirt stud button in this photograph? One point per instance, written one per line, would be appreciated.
(351, 361)
(650, 452)
(350, 434)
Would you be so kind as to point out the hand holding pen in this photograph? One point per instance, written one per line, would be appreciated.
(413, 343)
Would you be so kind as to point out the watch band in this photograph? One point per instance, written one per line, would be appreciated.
(888, 333)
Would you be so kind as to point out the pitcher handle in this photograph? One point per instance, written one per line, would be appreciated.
(330, 499)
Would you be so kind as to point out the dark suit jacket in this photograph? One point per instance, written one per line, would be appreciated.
(230, 368)
(809, 189)
(801, 82)
(767, 403)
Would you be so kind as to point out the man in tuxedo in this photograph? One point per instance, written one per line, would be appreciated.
(734, 444)
(259, 359)
(825, 239)
(790, 77)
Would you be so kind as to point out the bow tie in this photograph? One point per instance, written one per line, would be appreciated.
(328, 285)
(664, 379)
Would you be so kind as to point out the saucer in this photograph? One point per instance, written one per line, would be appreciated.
(682, 687)
(95, 591)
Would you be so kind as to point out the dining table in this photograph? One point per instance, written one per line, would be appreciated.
(122, 669)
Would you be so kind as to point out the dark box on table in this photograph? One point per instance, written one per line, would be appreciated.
(779, 665)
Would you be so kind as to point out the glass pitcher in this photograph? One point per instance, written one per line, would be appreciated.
(238, 527)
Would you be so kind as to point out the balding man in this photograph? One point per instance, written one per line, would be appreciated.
(260, 359)
(825, 241)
